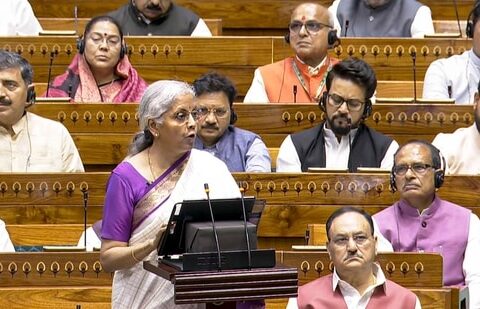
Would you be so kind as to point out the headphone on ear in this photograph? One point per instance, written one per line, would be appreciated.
(332, 38)
(233, 115)
(439, 176)
(469, 30)
(31, 96)
(367, 111)
(81, 47)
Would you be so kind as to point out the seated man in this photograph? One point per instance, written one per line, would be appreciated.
(300, 78)
(422, 222)
(457, 77)
(357, 281)
(343, 140)
(29, 143)
(17, 18)
(159, 17)
(382, 18)
(461, 148)
(241, 150)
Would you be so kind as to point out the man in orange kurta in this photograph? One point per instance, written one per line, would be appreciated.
(300, 78)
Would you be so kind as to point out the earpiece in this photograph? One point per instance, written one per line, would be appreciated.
(332, 38)
(323, 101)
(81, 47)
(233, 116)
(469, 30)
(31, 96)
(287, 38)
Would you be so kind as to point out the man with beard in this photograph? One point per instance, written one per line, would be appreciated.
(461, 148)
(29, 143)
(357, 281)
(382, 18)
(159, 17)
(241, 150)
(343, 140)
(422, 222)
(300, 78)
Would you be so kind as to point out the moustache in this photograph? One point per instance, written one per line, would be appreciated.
(154, 8)
(5, 102)
(210, 127)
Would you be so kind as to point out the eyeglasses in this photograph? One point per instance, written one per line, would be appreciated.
(419, 168)
(353, 105)
(112, 40)
(342, 241)
(182, 116)
(218, 112)
(311, 26)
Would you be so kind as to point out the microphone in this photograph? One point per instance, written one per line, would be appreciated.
(449, 89)
(458, 19)
(294, 93)
(347, 23)
(85, 206)
(414, 67)
(307, 236)
(207, 191)
(75, 16)
(249, 250)
(52, 55)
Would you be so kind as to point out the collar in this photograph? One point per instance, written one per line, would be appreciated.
(328, 133)
(411, 211)
(312, 71)
(474, 59)
(19, 126)
(380, 280)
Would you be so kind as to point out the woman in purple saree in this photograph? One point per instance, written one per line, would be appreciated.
(161, 170)
(100, 71)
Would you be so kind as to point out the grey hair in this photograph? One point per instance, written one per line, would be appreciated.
(10, 60)
(157, 99)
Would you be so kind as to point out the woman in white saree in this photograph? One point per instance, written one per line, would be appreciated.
(161, 170)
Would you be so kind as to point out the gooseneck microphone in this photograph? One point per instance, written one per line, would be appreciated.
(85, 206)
(347, 23)
(207, 191)
(52, 55)
(294, 93)
(249, 250)
(449, 90)
(458, 19)
(414, 67)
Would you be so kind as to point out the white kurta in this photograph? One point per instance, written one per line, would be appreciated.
(17, 18)
(461, 150)
(460, 73)
(5, 242)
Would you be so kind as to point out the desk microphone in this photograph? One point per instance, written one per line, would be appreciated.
(414, 67)
(52, 55)
(249, 250)
(449, 90)
(294, 93)
(456, 15)
(207, 191)
(347, 23)
(85, 206)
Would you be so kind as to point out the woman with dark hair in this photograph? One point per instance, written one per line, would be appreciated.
(100, 71)
(162, 169)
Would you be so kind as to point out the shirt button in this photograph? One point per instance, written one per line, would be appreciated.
(371, 18)
(424, 224)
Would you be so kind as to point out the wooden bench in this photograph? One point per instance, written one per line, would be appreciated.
(117, 124)
(186, 58)
(78, 25)
(255, 17)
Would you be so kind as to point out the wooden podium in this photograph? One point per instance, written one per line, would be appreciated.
(228, 285)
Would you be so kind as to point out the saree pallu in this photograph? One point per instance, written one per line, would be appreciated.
(137, 288)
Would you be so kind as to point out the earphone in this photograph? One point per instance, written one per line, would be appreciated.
(31, 96)
(439, 176)
(332, 38)
(81, 47)
(233, 115)
(322, 103)
(469, 30)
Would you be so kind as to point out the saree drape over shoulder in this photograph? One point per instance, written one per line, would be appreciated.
(135, 287)
(79, 84)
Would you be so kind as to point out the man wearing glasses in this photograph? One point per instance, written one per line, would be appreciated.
(422, 222)
(240, 150)
(301, 78)
(343, 140)
(357, 281)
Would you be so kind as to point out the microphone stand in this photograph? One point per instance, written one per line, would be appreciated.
(52, 54)
(85, 206)
(249, 251)
(219, 256)
(414, 60)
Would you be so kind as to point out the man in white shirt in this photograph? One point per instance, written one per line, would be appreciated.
(461, 148)
(5, 242)
(382, 18)
(343, 140)
(17, 18)
(457, 77)
(29, 143)
(357, 281)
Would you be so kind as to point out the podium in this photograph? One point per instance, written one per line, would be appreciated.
(228, 285)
